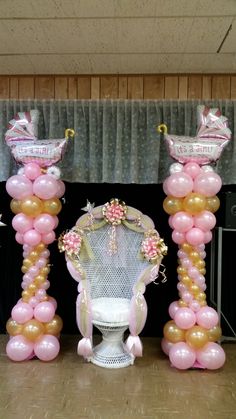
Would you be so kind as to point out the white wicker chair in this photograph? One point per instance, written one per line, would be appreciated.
(113, 252)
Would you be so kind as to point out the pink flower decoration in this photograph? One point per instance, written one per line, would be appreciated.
(72, 242)
(150, 248)
(114, 211)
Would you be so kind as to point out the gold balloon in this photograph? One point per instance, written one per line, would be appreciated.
(212, 203)
(54, 326)
(194, 203)
(32, 329)
(39, 279)
(201, 296)
(24, 269)
(27, 263)
(173, 333)
(26, 295)
(181, 270)
(40, 247)
(202, 271)
(186, 247)
(15, 206)
(171, 204)
(196, 337)
(32, 288)
(52, 206)
(194, 289)
(200, 264)
(214, 334)
(186, 280)
(182, 303)
(13, 328)
(194, 256)
(45, 270)
(32, 206)
(33, 256)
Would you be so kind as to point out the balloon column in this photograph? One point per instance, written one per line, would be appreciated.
(34, 326)
(190, 336)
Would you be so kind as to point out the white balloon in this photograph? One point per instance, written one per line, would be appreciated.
(175, 168)
(207, 168)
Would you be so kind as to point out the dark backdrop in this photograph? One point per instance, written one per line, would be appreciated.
(147, 198)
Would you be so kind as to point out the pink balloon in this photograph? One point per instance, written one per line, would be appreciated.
(185, 318)
(192, 169)
(179, 184)
(33, 302)
(22, 312)
(44, 223)
(187, 297)
(19, 187)
(208, 183)
(32, 171)
(45, 254)
(33, 271)
(166, 345)
(199, 280)
(32, 237)
(53, 301)
(60, 189)
(182, 356)
(47, 347)
(22, 223)
(173, 308)
(195, 236)
(211, 356)
(182, 221)
(45, 187)
(19, 349)
(56, 221)
(165, 187)
(41, 262)
(19, 238)
(207, 237)
(195, 306)
(44, 312)
(186, 262)
(178, 237)
(193, 272)
(181, 254)
(49, 237)
(205, 220)
(207, 317)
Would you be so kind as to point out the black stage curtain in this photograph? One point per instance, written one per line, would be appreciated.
(147, 198)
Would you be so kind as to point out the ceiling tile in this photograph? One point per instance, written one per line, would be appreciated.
(230, 42)
(208, 63)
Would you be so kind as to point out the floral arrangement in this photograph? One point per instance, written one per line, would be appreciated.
(153, 247)
(114, 211)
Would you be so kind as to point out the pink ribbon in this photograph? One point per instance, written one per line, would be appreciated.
(134, 345)
(85, 348)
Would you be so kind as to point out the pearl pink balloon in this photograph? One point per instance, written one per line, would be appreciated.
(53, 301)
(173, 308)
(182, 221)
(185, 318)
(211, 356)
(179, 184)
(207, 237)
(207, 317)
(46, 348)
(208, 183)
(56, 221)
(41, 262)
(22, 223)
(182, 356)
(205, 220)
(32, 237)
(19, 187)
(44, 223)
(33, 302)
(178, 237)
(19, 349)
(166, 345)
(192, 169)
(32, 171)
(187, 297)
(60, 189)
(22, 312)
(44, 312)
(195, 306)
(186, 262)
(19, 238)
(45, 187)
(176, 168)
(194, 236)
(193, 272)
(164, 186)
(49, 237)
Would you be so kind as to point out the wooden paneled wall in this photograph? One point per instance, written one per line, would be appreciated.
(215, 86)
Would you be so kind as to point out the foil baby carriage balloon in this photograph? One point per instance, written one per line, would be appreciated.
(212, 136)
(21, 137)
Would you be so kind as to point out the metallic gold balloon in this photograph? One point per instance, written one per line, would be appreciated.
(173, 333)
(196, 337)
(212, 203)
(32, 288)
(186, 280)
(202, 271)
(54, 326)
(27, 263)
(182, 303)
(194, 289)
(200, 264)
(15, 206)
(40, 247)
(194, 203)
(214, 334)
(32, 329)
(201, 296)
(34, 255)
(26, 295)
(32, 206)
(186, 247)
(171, 204)
(13, 328)
(52, 206)
(181, 270)
(24, 269)
(45, 270)
(39, 279)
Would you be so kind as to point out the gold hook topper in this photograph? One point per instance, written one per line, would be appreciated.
(162, 128)
(69, 133)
